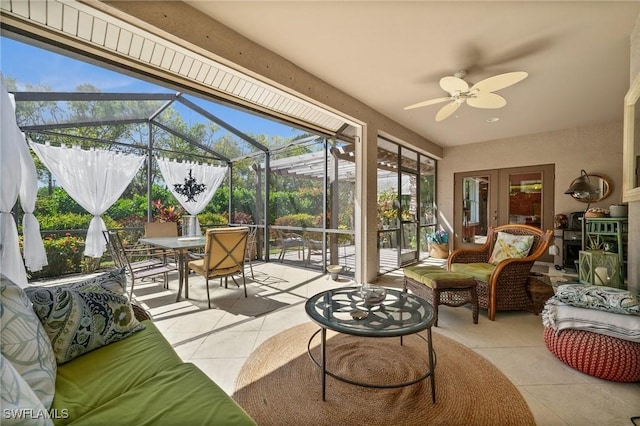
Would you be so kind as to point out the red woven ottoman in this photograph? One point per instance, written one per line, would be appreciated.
(597, 355)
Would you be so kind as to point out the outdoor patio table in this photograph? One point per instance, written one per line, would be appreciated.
(344, 310)
(181, 246)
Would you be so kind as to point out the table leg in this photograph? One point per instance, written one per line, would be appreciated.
(323, 354)
(180, 274)
(432, 375)
(185, 262)
(183, 274)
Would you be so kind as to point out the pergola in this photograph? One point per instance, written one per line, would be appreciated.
(68, 116)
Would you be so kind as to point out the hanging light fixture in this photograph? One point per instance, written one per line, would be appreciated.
(582, 189)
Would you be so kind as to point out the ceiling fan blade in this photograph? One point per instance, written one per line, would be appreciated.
(429, 102)
(487, 100)
(447, 110)
(499, 81)
(453, 84)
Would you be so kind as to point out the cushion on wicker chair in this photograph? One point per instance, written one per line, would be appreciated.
(510, 246)
(427, 274)
(479, 271)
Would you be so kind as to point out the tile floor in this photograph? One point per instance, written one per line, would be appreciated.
(220, 339)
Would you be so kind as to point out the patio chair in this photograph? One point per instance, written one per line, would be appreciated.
(311, 246)
(224, 256)
(161, 229)
(289, 240)
(137, 262)
(501, 285)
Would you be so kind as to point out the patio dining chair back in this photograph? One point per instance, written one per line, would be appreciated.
(224, 256)
(161, 229)
(137, 262)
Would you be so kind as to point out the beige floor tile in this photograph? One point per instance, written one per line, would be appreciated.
(223, 371)
(227, 344)
(542, 414)
(219, 340)
(584, 404)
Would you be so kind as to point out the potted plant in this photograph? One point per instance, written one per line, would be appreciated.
(438, 244)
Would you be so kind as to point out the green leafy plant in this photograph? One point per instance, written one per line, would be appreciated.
(163, 213)
(64, 255)
(438, 237)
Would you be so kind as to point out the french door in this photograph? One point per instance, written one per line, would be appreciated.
(519, 195)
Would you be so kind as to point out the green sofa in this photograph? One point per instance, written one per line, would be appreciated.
(141, 381)
(136, 380)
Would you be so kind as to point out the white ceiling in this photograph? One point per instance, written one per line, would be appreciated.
(390, 54)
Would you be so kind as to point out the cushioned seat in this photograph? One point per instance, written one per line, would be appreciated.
(124, 365)
(479, 271)
(595, 329)
(441, 287)
(142, 370)
(595, 354)
(207, 403)
(502, 265)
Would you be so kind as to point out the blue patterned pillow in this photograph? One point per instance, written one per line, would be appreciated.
(81, 321)
(599, 297)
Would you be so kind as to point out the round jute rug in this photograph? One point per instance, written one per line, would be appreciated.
(280, 385)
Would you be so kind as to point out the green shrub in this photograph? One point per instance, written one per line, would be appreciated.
(209, 219)
(302, 220)
(64, 255)
(71, 221)
(65, 221)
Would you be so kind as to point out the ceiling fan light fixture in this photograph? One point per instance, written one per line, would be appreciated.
(480, 95)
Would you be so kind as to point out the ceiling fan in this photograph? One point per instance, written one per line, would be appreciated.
(480, 95)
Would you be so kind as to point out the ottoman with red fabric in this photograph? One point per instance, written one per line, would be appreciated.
(595, 354)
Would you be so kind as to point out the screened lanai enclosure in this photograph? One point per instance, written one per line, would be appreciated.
(298, 191)
(282, 165)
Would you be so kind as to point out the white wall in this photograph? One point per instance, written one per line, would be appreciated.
(633, 271)
(596, 149)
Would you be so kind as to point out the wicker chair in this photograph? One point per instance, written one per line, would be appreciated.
(503, 286)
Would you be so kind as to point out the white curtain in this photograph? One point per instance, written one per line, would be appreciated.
(11, 262)
(95, 179)
(175, 173)
(35, 256)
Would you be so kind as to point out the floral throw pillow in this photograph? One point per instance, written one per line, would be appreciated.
(81, 321)
(509, 246)
(24, 343)
(599, 297)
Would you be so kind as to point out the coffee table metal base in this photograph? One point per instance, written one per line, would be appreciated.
(322, 364)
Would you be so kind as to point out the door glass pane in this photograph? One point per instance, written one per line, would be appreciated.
(525, 198)
(388, 206)
(475, 208)
(408, 211)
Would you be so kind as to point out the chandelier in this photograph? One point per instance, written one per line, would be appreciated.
(191, 188)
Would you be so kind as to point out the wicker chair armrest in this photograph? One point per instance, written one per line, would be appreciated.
(514, 268)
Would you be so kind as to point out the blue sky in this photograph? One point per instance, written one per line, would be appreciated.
(29, 64)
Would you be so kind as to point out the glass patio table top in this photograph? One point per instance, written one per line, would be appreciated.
(399, 314)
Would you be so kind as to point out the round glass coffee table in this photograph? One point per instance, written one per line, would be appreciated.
(344, 310)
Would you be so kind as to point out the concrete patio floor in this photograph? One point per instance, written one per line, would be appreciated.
(220, 339)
